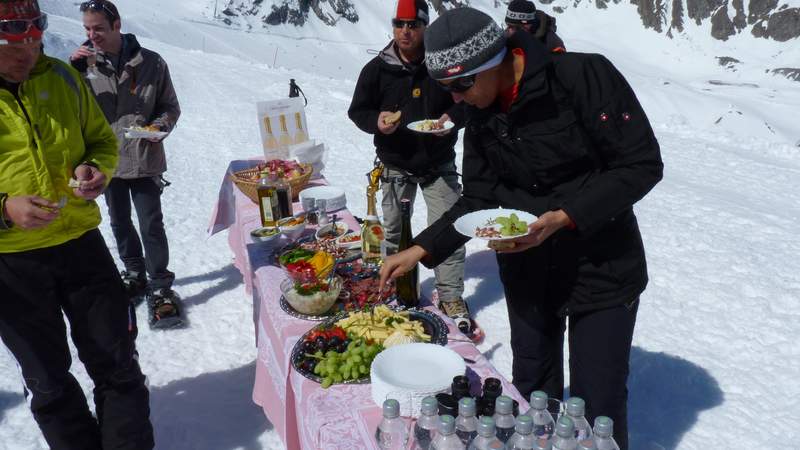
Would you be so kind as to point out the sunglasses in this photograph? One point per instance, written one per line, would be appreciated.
(411, 24)
(23, 26)
(100, 6)
(459, 85)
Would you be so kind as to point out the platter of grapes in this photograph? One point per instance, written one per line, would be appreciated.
(495, 224)
(341, 349)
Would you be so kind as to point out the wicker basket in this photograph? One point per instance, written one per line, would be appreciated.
(243, 180)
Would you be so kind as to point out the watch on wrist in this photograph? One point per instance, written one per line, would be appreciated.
(5, 223)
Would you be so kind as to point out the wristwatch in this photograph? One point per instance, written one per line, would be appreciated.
(5, 223)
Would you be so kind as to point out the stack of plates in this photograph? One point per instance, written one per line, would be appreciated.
(410, 372)
(334, 197)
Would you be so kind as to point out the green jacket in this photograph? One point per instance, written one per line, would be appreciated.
(52, 127)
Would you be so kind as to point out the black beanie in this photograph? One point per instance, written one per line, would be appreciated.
(461, 40)
(521, 12)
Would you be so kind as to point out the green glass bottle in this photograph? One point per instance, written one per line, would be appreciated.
(408, 283)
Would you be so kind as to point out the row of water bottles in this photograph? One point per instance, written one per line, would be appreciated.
(537, 429)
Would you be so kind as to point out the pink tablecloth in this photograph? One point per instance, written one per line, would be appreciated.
(305, 415)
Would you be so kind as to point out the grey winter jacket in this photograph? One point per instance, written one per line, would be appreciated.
(137, 92)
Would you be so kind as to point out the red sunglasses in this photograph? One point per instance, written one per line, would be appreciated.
(14, 27)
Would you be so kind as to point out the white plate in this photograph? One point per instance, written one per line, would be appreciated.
(467, 223)
(414, 126)
(334, 197)
(417, 367)
(133, 133)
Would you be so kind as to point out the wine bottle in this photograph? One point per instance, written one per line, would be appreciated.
(371, 231)
(285, 139)
(408, 283)
(300, 135)
(284, 192)
(270, 142)
(268, 200)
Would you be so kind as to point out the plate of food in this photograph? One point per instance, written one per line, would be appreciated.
(341, 349)
(430, 126)
(495, 224)
(145, 132)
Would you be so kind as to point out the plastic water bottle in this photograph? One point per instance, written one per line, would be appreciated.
(504, 420)
(565, 435)
(486, 439)
(587, 444)
(523, 438)
(446, 438)
(466, 423)
(542, 444)
(603, 434)
(543, 425)
(427, 424)
(576, 409)
(392, 432)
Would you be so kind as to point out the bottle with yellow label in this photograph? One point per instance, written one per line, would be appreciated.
(300, 135)
(285, 139)
(269, 142)
(268, 204)
(371, 231)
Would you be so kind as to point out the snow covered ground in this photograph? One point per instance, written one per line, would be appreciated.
(716, 356)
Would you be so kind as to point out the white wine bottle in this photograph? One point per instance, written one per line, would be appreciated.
(371, 231)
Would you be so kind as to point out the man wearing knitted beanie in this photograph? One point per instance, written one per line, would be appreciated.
(393, 90)
(58, 153)
(562, 136)
(523, 15)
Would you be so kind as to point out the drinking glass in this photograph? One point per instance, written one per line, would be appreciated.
(91, 60)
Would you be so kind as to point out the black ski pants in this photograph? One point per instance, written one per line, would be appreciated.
(599, 343)
(146, 196)
(77, 279)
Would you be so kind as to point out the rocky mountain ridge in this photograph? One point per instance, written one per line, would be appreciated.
(767, 19)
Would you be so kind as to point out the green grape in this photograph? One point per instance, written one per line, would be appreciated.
(356, 358)
(326, 382)
(363, 369)
(317, 369)
(329, 353)
(318, 354)
(337, 378)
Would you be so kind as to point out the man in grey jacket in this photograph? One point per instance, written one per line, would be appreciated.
(133, 87)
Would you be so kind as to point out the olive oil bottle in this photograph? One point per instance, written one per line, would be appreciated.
(268, 200)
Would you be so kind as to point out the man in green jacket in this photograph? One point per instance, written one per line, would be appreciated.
(57, 153)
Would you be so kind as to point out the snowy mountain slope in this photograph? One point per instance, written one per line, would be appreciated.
(715, 349)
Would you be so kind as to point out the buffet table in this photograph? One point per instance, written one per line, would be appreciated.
(305, 415)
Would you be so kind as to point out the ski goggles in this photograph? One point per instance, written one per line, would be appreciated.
(459, 85)
(21, 28)
(411, 24)
(101, 7)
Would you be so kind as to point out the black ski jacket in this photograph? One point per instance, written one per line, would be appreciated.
(546, 32)
(575, 139)
(386, 84)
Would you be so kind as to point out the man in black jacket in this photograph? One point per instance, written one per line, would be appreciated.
(523, 15)
(397, 81)
(561, 135)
